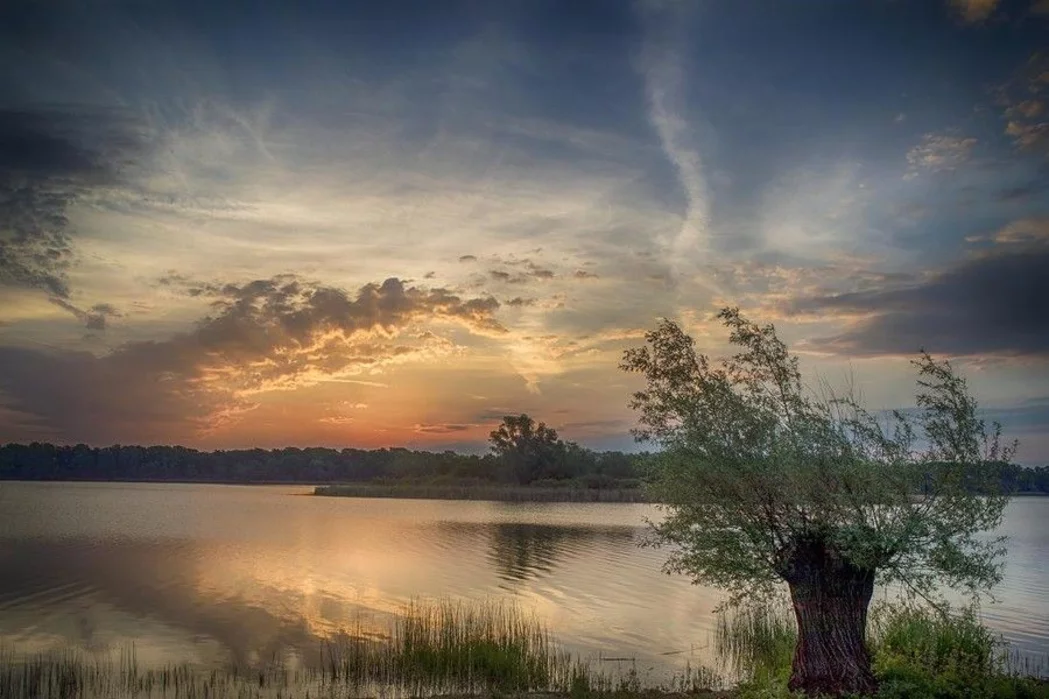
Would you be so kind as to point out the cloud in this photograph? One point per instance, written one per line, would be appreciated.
(45, 167)
(583, 274)
(1024, 105)
(94, 318)
(995, 302)
(1029, 136)
(1030, 233)
(661, 65)
(939, 153)
(975, 10)
(526, 271)
(468, 258)
(263, 335)
(442, 428)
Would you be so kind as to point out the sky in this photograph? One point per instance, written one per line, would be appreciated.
(365, 224)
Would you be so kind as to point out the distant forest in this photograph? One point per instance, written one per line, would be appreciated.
(577, 466)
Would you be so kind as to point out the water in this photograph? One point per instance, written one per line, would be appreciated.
(211, 574)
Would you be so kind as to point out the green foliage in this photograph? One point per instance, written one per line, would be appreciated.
(754, 462)
(920, 654)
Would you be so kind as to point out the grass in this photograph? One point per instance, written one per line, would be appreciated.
(755, 643)
(432, 649)
(916, 652)
(498, 493)
(454, 649)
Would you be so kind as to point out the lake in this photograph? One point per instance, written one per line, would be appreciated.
(211, 574)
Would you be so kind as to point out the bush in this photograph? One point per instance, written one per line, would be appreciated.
(918, 653)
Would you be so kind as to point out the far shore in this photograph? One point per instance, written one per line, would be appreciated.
(416, 491)
(496, 493)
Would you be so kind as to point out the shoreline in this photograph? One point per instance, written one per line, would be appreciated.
(483, 493)
(410, 491)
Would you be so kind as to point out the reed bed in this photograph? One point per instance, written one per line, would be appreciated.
(432, 649)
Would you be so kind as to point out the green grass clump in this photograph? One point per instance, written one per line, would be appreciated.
(917, 653)
(756, 643)
(454, 647)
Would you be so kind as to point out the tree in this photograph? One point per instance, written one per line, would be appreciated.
(530, 451)
(765, 482)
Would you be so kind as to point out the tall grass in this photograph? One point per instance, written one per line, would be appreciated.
(433, 648)
(452, 647)
(756, 641)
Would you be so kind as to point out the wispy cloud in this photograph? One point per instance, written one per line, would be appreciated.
(662, 67)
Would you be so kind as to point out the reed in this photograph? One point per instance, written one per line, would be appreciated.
(433, 648)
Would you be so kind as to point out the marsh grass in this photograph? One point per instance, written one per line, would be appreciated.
(453, 647)
(432, 648)
(755, 642)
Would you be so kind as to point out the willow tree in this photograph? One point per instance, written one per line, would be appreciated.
(766, 482)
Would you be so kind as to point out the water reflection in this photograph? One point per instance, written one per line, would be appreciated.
(518, 552)
(73, 593)
(214, 575)
(521, 552)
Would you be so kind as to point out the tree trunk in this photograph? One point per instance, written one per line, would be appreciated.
(830, 597)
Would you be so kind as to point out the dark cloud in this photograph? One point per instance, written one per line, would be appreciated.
(442, 428)
(468, 258)
(45, 166)
(1022, 193)
(1026, 417)
(94, 318)
(527, 271)
(267, 333)
(496, 414)
(519, 301)
(993, 303)
(599, 426)
(583, 274)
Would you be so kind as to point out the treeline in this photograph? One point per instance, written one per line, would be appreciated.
(1020, 479)
(312, 465)
(571, 466)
